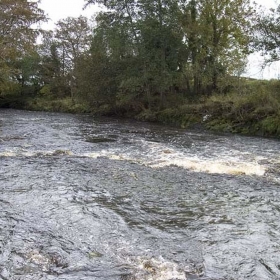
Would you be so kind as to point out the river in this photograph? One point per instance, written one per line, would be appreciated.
(86, 198)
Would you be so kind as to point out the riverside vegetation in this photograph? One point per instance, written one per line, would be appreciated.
(176, 62)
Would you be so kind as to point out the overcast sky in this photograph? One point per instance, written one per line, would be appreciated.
(59, 9)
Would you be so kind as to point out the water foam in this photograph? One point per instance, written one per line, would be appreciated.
(158, 156)
(213, 166)
(220, 163)
(24, 153)
(157, 269)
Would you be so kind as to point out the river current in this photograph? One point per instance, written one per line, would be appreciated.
(84, 198)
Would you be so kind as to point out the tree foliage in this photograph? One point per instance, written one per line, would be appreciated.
(167, 49)
(140, 55)
(267, 35)
(18, 33)
(60, 52)
(216, 33)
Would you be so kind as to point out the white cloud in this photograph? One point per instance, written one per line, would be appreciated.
(61, 9)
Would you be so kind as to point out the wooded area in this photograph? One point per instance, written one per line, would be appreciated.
(141, 58)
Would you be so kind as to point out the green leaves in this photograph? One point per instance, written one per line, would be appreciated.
(267, 38)
(162, 47)
(18, 33)
(17, 30)
(60, 52)
(217, 38)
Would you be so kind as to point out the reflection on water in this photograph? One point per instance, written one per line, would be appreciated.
(85, 198)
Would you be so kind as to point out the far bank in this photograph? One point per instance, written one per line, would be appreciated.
(255, 110)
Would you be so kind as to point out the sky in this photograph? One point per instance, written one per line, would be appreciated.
(60, 9)
(255, 61)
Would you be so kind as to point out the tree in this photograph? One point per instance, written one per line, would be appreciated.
(60, 51)
(18, 33)
(164, 49)
(267, 35)
(72, 37)
(216, 33)
(97, 77)
(145, 38)
(52, 76)
(27, 74)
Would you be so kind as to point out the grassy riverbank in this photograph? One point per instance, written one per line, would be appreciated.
(253, 114)
(253, 110)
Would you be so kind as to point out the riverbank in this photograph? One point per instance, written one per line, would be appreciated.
(254, 110)
(253, 114)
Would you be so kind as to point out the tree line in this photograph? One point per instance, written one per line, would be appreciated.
(135, 55)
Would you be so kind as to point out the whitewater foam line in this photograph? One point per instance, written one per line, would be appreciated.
(214, 167)
(194, 164)
(160, 160)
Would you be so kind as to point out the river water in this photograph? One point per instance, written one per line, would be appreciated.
(85, 198)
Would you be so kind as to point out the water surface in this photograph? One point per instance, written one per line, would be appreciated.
(85, 198)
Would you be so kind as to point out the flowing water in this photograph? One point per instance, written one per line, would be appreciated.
(85, 198)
